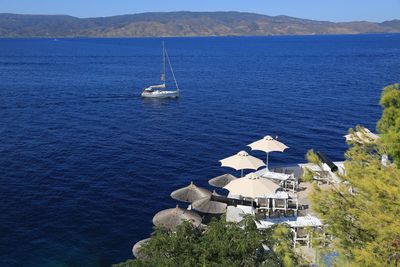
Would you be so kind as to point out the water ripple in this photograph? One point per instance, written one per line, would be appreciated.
(85, 162)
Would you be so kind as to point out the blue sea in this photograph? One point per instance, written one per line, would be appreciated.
(85, 163)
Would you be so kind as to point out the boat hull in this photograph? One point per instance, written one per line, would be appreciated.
(160, 94)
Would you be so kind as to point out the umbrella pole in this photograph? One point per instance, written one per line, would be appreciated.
(266, 163)
(241, 173)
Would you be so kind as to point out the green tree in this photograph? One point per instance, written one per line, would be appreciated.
(389, 124)
(362, 213)
(220, 244)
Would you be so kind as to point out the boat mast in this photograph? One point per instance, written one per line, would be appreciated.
(172, 71)
(163, 78)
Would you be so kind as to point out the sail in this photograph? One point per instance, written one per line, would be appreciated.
(172, 71)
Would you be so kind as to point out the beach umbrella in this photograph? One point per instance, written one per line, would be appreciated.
(362, 135)
(171, 218)
(222, 180)
(190, 193)
(208, 205)
(136, 248)
(268, 144)
(241, 161)
(252, 185)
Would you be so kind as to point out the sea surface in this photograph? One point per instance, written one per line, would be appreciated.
(85, 163)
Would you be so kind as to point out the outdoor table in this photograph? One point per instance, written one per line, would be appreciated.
(274, 175)
(282, 177)
(293, 222)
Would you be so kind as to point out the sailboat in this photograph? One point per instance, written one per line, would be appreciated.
(159, 90)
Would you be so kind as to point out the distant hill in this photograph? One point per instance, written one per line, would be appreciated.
(180, 24)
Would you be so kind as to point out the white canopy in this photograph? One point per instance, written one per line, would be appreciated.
(268, 144)
(241, 161)
(252, 185)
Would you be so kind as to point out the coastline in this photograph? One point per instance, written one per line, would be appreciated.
(194, 36)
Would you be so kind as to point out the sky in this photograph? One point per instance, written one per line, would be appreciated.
(331, 10)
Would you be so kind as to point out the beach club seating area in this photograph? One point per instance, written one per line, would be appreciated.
(289, 204)
(272, 195)
(286, 203)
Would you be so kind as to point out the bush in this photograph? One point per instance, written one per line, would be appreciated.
(219, 244)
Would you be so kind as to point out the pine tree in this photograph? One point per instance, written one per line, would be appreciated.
(362, 213)
(389, 124)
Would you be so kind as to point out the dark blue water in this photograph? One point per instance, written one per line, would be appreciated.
(85, 163)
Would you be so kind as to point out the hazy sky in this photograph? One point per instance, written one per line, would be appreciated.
(333, 10)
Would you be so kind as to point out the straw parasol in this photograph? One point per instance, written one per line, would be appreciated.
(190, 193)
(208, 205)
(362, 135)
(171, 218)
(241, 161)
(222, 180)
(252, 185)
(136, 248)
(268, 144)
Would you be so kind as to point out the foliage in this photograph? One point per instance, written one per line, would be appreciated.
(312, 157)
(307, 175)
(220, 244)
(389, 124)
(281, 245)
(363, 211)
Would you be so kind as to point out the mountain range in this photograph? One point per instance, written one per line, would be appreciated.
(181, 24)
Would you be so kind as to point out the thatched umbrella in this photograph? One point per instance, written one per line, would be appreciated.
(190, 193)
(137, 247)
(208, 205)
(222, 180)
(171, 218)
